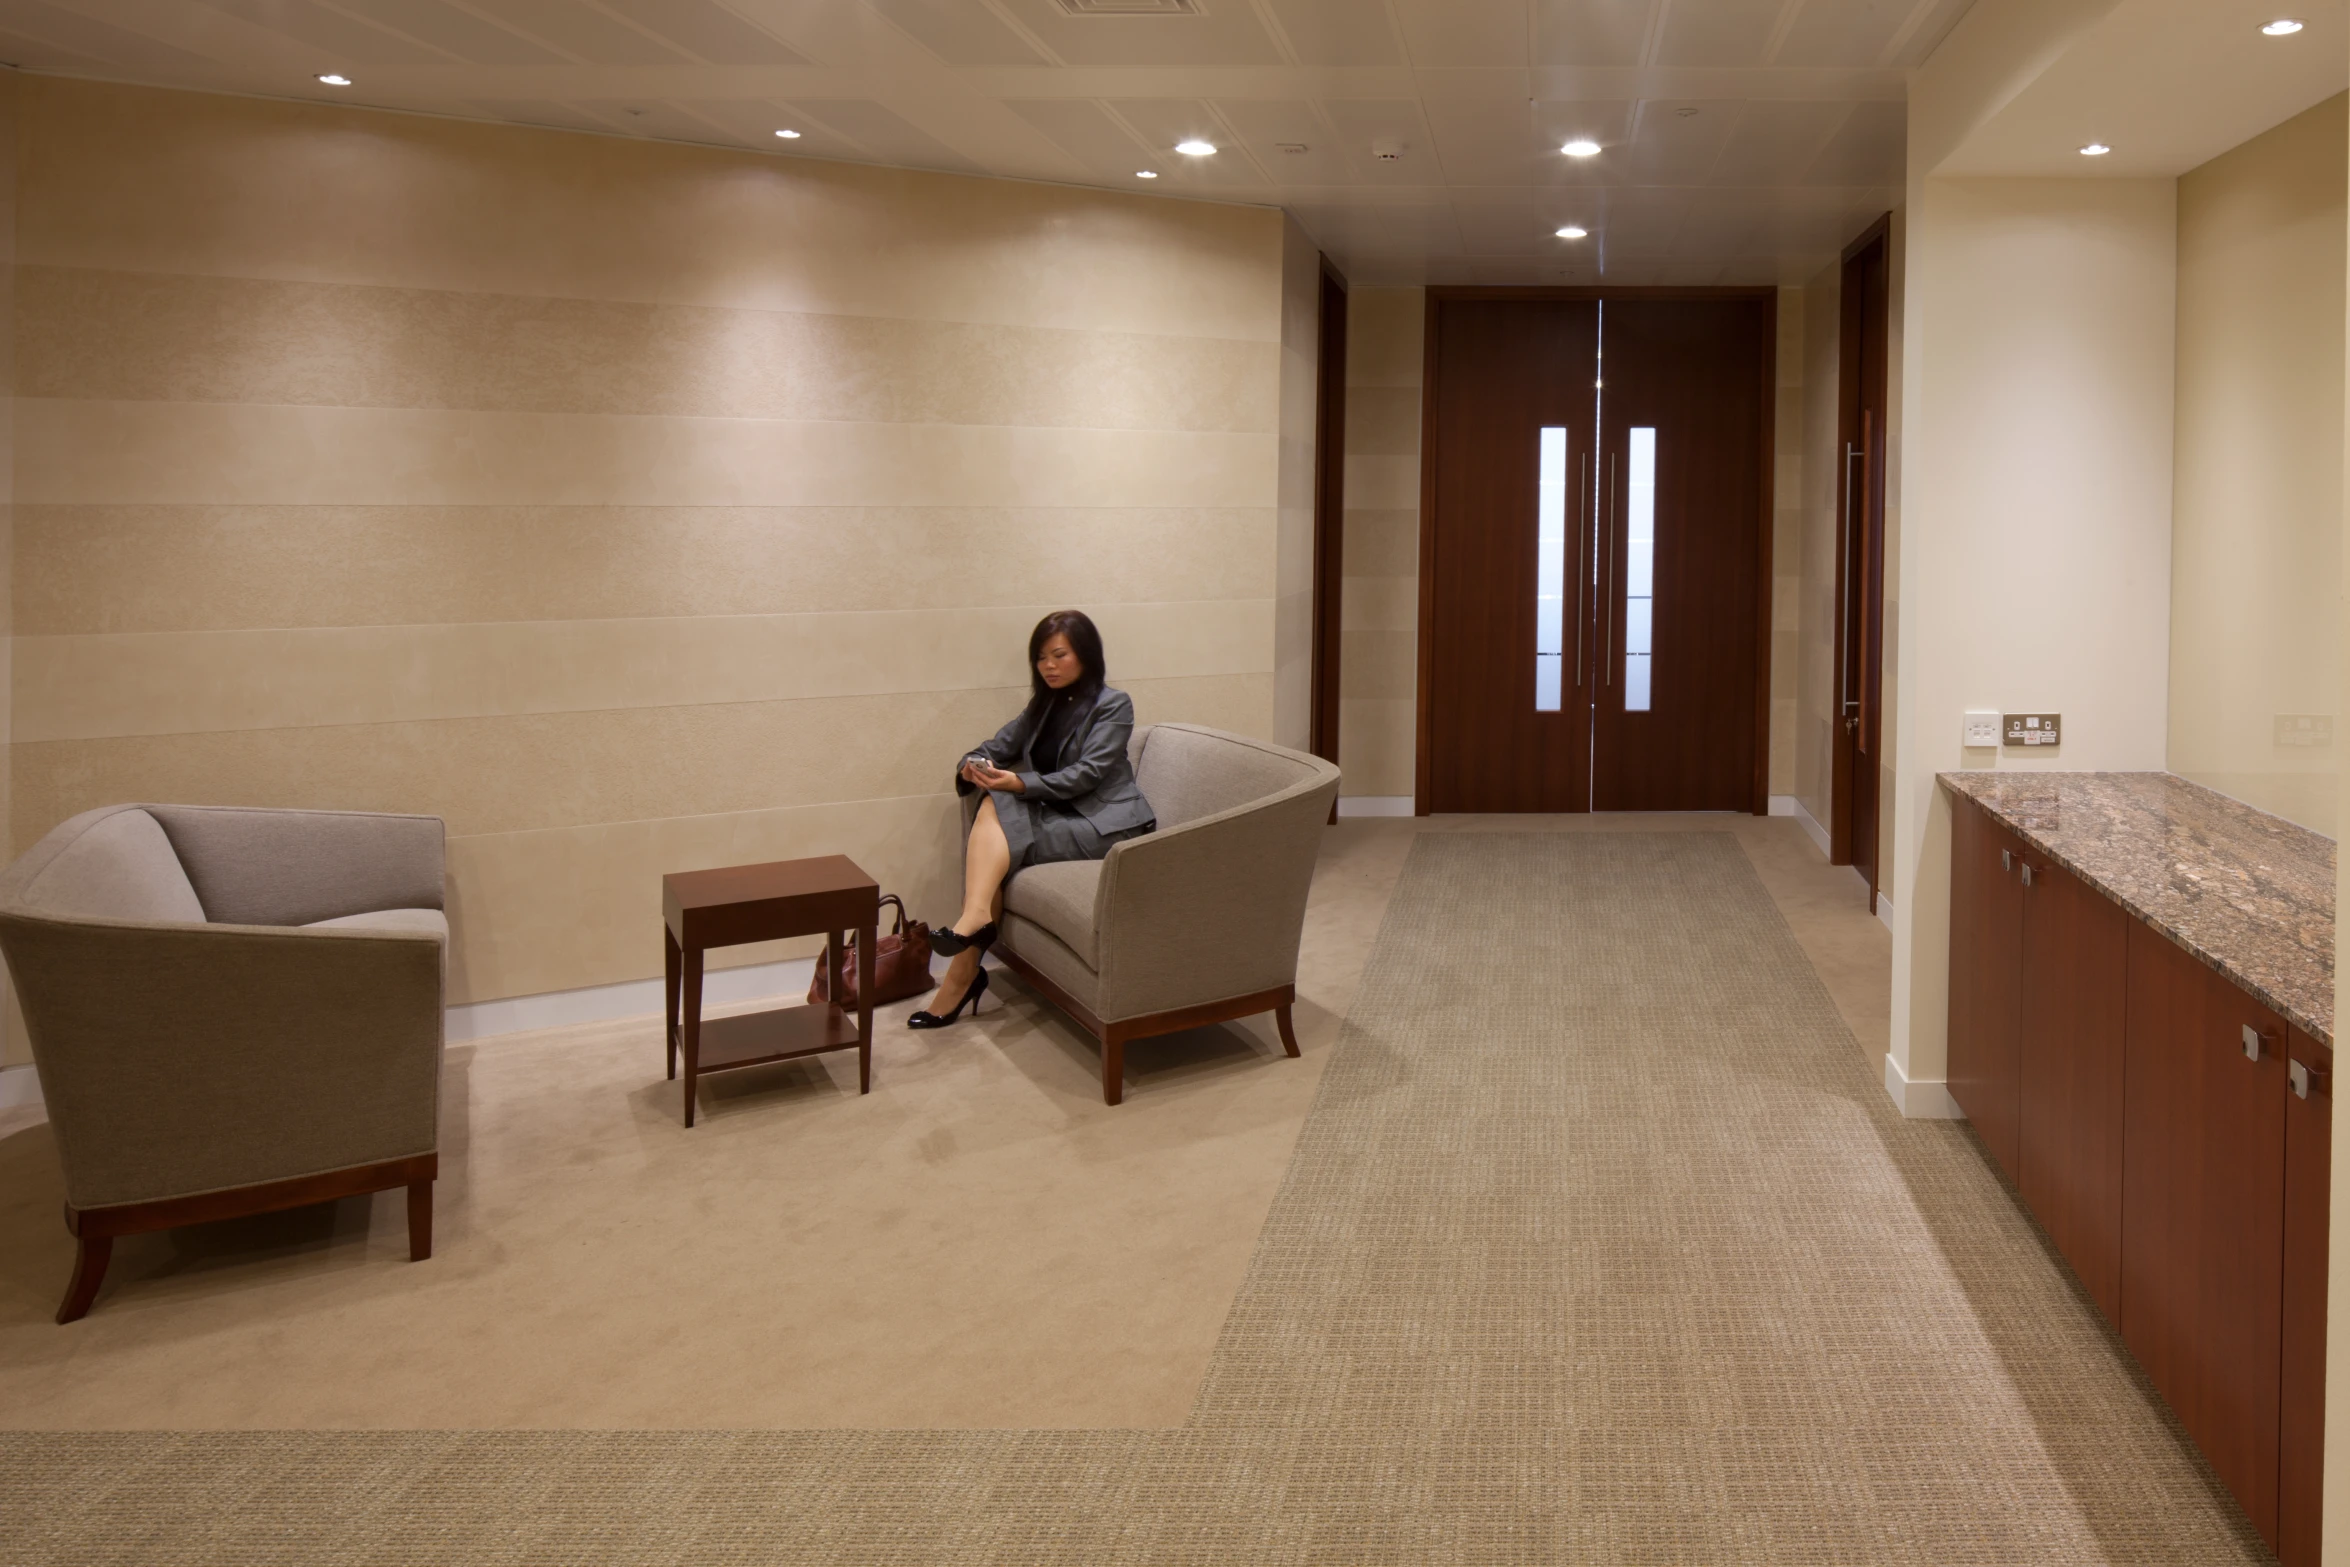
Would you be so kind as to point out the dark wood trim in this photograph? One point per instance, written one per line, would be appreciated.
(97, 1228)
(1864, 331)
(1592, 291)
(1423, 718)
(1329, 569)
(1113, 1036)
(1881, 229)
(1767, 566)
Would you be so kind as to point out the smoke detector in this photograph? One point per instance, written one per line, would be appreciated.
(1387, 151)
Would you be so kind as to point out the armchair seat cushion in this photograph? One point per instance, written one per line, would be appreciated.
(1061, 898)
(428, 921)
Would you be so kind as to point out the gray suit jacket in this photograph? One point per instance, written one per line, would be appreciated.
(1091, 775)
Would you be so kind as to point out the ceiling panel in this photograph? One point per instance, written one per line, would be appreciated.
(1337, 32)
(960, 32)
(544, 113)
(59, 37)
(1364, 125)
(703, 29)
(1869, 149)
(1675, 143)
(1162, 122)
(580, 31)
(1718, 32)
(1593, 32)
(1440, 33)
(886, 134)
(1226, 32)
(343, 40)
(1774, 143)
(459, 33)
(1080, 128)
(1845, 32)
(1265, 127)
(651, 117)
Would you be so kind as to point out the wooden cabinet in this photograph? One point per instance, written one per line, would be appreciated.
(1986, 980)
(2070, 1072)
(2203, 1210)
(2152, 1118)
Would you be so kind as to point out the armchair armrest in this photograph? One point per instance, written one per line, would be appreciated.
(179, 1059)
(1212, 909)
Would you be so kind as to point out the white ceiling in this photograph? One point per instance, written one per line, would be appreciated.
(2168, 85)
(1745, 140)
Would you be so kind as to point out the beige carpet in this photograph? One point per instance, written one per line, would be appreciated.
(1601, 1243)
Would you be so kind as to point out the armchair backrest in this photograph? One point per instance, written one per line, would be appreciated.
(263, 867)
(1187, 772)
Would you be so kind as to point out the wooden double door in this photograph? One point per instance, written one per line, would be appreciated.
(1594, 620)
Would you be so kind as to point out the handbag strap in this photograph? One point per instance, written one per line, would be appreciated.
(900, 903)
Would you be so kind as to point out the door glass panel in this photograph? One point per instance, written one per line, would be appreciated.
(1639, 567)
(1550, 568)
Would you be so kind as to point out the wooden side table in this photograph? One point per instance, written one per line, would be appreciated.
(741, 903)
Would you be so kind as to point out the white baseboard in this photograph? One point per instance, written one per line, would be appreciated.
(19, 1085)
(1924, 1099)
(1885, 909)
(635, 998)
(1791, 805)
(1374, 805)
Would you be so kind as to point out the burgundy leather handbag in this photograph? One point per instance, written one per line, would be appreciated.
(901, 963)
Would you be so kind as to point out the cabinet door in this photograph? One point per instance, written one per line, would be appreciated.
(2075, 964)
(1986, 978)
(2301, 1435)
(2203, 1210)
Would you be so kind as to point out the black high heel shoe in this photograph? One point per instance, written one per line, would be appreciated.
(928, 1019)
(946, 941)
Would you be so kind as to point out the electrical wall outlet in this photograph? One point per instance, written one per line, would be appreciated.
(1982, 729)
(2305, 731)
(2033, 729)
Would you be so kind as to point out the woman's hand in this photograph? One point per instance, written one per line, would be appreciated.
(985, 777)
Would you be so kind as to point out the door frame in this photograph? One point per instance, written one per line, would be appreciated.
(1423, 719)
(1851, 393)
(1329, 569)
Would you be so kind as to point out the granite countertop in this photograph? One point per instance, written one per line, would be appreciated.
(2248, 893)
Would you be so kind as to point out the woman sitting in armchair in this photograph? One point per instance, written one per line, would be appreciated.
(1058, 786)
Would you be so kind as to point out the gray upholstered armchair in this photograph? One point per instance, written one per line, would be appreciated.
(232, 1011)
(1196, 923)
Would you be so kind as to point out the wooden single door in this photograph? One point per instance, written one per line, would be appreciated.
(2075, 978)
(1986, 980)
(1679, 714)
(1506, 709)
(2203, 1210)
(1856, 749)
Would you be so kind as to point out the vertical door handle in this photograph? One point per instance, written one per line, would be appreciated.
(2006, 860)
(1602, 528)
(1851, 566)
(2305, 1079)
(2256, 1043)
(2027, 873)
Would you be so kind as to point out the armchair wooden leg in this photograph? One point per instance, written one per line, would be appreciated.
(89, 1271)
(1113, 1071)
(1288, 1029)
(419, 1220)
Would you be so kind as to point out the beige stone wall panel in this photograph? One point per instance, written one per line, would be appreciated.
(131, 179)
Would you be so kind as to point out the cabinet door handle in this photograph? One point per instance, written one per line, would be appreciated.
(2007, 859)
(2256, 1043)
(2027, 873)
(2305, 1079)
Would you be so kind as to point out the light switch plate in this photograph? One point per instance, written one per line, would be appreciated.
(2033, 729)
(1981, 729)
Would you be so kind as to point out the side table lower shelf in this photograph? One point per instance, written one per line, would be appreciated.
(778, 1034)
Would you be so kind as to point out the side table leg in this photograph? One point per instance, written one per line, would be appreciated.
(692, 1031)
(867, 939)
(673, 962)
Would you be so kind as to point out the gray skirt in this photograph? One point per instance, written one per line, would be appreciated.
(1044, 832)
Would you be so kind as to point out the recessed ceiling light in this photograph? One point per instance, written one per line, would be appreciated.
(335, 79)
(789, 135)
(1581, 147)
(2282, 27)
(1574, 231)
(1195, 148)
(2095, 149)
(1146, 174)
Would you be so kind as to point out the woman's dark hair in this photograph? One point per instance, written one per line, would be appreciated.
(1084, 641)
